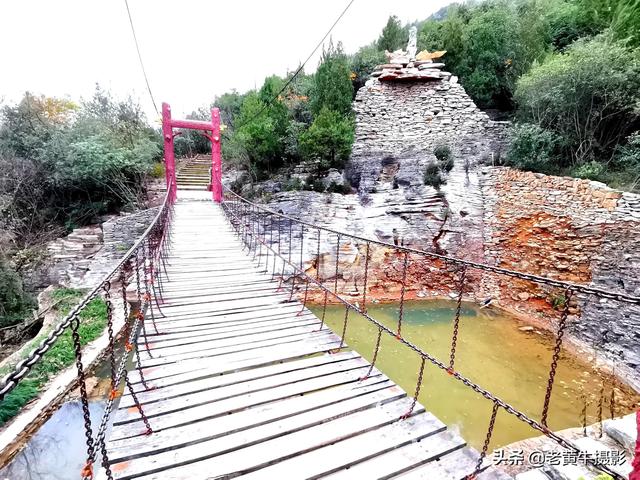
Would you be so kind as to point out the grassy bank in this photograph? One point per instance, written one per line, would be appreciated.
(93, 320)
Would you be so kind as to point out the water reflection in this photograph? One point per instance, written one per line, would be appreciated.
(58, 450)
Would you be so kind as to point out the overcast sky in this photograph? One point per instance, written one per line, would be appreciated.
(192, 49)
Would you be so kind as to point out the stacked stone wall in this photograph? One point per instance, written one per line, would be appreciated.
(120, 233)
(397, 117)
(572, 230)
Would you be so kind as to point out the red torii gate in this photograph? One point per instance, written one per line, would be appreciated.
(168, 124)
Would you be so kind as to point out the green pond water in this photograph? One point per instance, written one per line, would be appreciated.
(493, 352)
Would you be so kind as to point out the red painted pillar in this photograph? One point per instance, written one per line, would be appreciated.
(635, 474)
(216, 160)
(169, 156)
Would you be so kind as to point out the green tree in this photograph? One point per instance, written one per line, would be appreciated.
(259, 135)
(329, 139)
(333, 87)
(393, 36)
(588, 95)
(364, 62)
(491, 55)
(64, 163)
(14, 301)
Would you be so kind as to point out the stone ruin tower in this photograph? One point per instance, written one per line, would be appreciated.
(409, 106)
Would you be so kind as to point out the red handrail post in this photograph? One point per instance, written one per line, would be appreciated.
(169, 155)
(216, 160)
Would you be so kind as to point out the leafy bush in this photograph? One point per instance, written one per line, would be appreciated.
(14, 301)
(587, 96)
(444, 155)
(433, 176)
(262, 130)
(590, 170)
(531, 147)
(627, 161)
(157, 170)
(293, 184)
(393, 36)
(344, 188)
(63, 163)
(333, 88)
(93, 320)
(328, 139)
(364, 62)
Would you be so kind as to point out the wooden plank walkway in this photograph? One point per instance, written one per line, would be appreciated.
(243, 386)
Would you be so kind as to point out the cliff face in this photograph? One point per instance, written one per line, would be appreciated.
(561, 228)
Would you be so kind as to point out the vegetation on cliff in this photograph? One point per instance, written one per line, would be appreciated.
(93, 320)
(62, 164)
(568, 69)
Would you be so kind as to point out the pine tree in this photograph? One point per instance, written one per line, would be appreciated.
(393, 36)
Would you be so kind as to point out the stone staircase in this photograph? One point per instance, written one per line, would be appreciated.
(195, 174)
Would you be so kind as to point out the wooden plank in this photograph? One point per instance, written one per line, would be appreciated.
(224, 316)
(188, 395)
(198, 432)
(223, 322)
(225, 306)
(276, 321)
(235, 404)
(221, 341)
(169, 388)
(423, 428)
(255, 456)
(236, 362)
(253, 350)
(405, 458)
(454, 466)
(237, 336)
(220, 298)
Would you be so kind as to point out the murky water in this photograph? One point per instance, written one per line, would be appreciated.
(493, 352)
(58, 450)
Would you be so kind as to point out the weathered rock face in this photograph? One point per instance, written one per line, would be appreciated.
(82, 258)
(560, 228)
(572, 230)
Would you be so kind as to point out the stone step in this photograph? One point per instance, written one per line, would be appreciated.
(593, 446)
(191, 187)
(623, 430)
(569, 472)
(536, 474)
(84, 237)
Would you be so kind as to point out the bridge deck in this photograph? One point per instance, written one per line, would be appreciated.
(243, 385)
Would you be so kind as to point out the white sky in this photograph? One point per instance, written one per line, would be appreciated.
(192, 49)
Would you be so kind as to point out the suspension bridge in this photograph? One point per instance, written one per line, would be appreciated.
(221, 370)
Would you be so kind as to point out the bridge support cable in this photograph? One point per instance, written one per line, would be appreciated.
(464, 276)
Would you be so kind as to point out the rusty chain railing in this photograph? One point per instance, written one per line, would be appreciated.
(262, 228)
(140, 267)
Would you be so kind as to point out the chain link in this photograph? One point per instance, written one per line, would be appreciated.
(405, 264)
(375, 355)
(498, 403)
(456, 321)
(417, 392)
(562, 325)
(485, 446)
